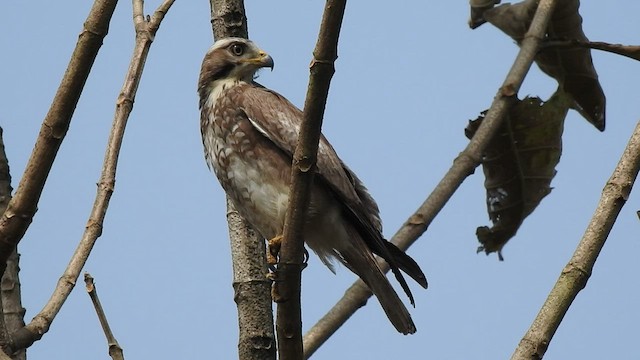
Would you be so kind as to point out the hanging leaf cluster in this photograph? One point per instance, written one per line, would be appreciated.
(572, 67)
(519, 164)
(520, 161)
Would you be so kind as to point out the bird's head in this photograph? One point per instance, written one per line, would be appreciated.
(232, 59)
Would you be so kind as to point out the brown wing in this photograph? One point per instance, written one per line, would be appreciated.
(279, 120)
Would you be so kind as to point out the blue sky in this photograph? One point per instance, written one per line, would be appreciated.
(407, 80)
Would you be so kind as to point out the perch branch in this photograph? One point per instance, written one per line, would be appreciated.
(145, 31)
(462, 167)
(252, 289)
(289, 272)
(115, 351)
(576, 273)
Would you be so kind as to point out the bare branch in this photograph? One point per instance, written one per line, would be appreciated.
(252, 290)
(228, 18)
(287, 288)
(22, 207)
(124, 104)
(12, 317)
(630, 51)
(5, 197)
(115, 351)
(462, 167)
(576, 273)
(11, 300)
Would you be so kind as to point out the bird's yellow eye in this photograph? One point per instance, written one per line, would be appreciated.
(237, 49)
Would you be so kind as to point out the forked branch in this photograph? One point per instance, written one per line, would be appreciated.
(22, 207)
(145, 31)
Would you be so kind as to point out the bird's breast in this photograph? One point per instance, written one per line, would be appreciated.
(253, 171)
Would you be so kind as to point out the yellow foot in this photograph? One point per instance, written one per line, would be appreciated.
(273, 250)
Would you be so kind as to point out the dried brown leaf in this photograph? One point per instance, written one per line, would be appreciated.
(572, 67)
(519, 164)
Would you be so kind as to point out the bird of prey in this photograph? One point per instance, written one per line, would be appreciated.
(249, 135)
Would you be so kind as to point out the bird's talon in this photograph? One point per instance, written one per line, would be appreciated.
(273, 249)
(271, 276)
(271, 260)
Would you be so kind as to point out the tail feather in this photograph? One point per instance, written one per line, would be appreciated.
(361, 262)
(406, 263)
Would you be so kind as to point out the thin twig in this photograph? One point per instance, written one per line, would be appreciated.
(630, 51)
(462, 167)
(145, 32)
(287, 286)
(576, 273)
(115, 351)
(252, 289)
(22, 207)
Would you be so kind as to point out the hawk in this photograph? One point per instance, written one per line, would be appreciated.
(249, 135)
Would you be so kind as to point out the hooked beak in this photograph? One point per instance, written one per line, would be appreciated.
(262, 60)
(265, 60)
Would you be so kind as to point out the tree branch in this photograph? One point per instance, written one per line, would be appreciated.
(228, 19)
(115, 351)
(287, 286)
(630, 51)
(462, 167)
(12, 317)
(252, 289)
(12, 300)
(21, 209)
(576, 273)
(145, 32)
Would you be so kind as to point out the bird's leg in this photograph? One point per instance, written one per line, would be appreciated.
(273, 248)
(274, 245)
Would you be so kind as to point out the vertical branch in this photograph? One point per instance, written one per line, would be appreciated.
(11, 300)
(289, 317)
(145, 32)
(576, 273)
(252, 289)
(462, 167)
(21, 209)
(228, 19)
(12, 317)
